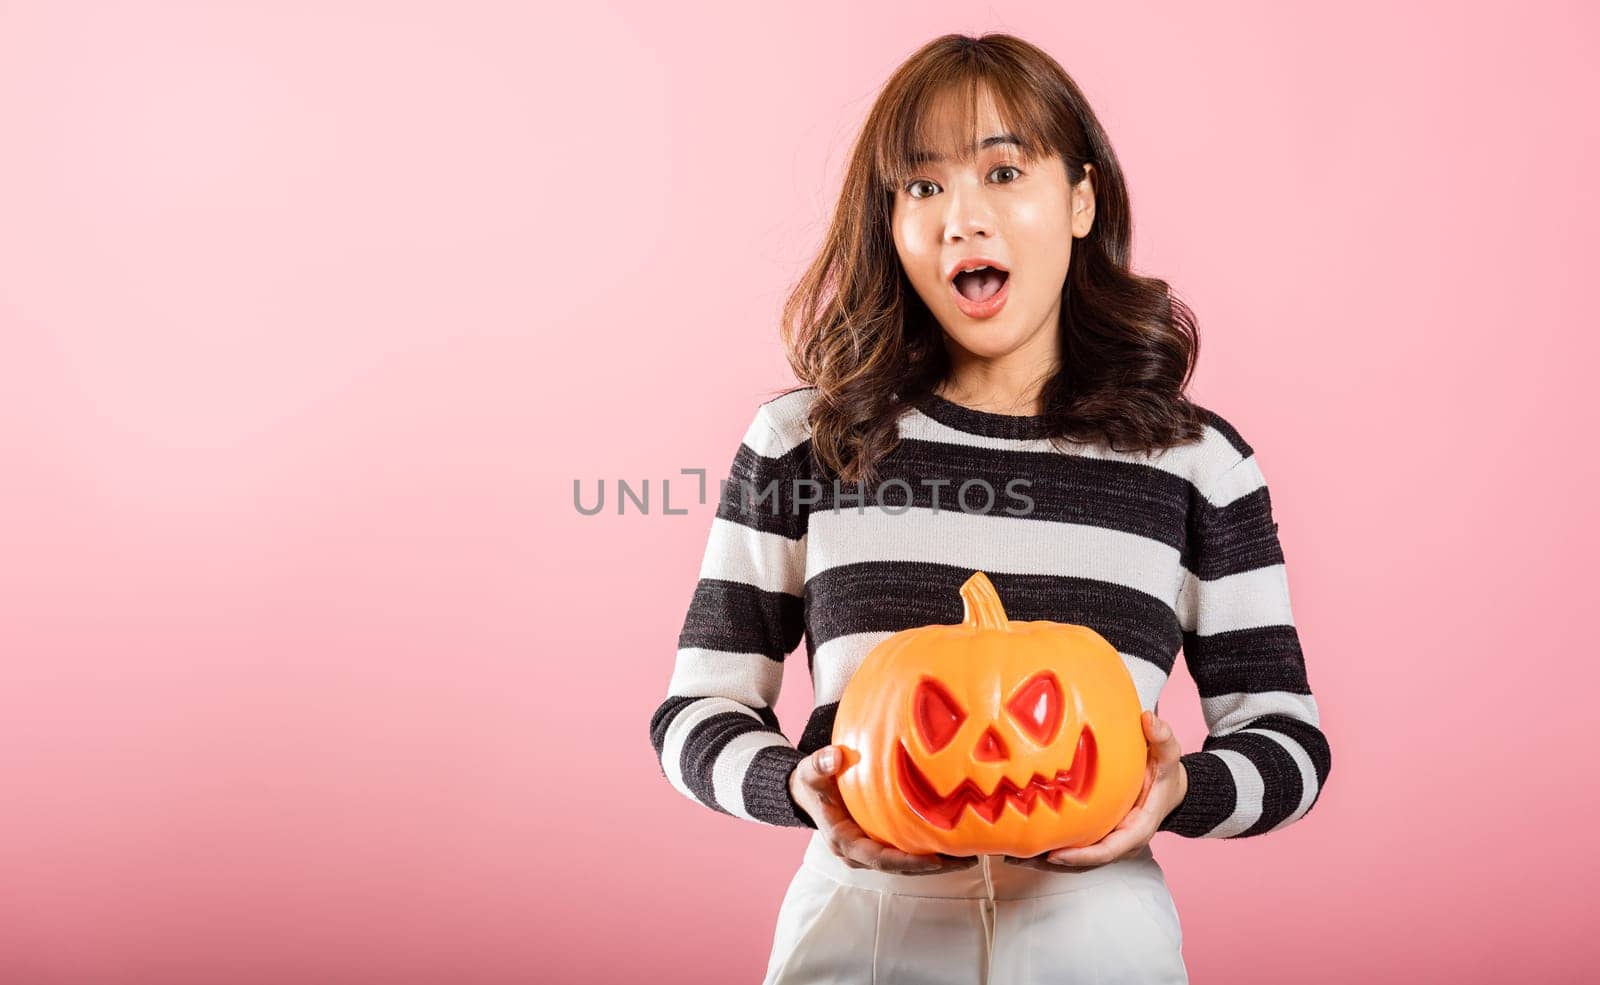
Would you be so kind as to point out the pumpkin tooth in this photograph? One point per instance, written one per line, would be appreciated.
(944, 811)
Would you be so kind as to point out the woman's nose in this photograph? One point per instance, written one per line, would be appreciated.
(969, 216)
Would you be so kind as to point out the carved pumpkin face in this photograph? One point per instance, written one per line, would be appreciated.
(990, 736)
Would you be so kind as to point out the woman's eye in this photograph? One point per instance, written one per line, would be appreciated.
(911, 189)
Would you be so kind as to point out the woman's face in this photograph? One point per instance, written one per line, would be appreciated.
(1023, 216)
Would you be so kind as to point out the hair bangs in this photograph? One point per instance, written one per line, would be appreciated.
(917, 129)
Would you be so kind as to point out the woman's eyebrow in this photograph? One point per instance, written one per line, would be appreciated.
(929, 157)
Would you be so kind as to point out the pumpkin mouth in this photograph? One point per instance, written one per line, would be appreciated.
(944, 812)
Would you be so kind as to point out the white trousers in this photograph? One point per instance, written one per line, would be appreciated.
(994, 923)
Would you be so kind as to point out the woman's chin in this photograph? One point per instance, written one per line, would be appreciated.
(988, 341)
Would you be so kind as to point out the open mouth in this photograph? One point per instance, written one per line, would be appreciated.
(981, 291)
(944, 812)
(981, 283)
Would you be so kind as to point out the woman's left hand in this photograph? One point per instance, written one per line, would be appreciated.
(1166, 781)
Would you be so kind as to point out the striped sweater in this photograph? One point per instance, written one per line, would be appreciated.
(1155, 551)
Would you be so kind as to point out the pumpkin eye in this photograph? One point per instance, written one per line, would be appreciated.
(1037, 707)
(938, 717)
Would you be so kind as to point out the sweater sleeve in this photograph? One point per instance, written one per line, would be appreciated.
(1265, 759)
(716, 735)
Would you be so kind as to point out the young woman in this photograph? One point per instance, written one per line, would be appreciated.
(972, 316)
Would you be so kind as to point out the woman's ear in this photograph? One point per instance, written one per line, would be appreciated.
(1083, 203)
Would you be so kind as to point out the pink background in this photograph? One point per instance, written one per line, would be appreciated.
(311, 313)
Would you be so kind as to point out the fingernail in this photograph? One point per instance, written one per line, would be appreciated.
(826, 761)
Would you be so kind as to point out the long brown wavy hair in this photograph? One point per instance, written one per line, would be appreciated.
(855, 328)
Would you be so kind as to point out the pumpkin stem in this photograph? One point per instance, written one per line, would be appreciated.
(983, 608)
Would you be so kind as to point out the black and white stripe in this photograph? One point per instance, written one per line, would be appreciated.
(1156, 551)
(716, 735)
(1243, 651)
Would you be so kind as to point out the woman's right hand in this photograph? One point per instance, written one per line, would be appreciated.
(816, 790)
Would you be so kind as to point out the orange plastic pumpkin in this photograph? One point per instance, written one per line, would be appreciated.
(991, 736)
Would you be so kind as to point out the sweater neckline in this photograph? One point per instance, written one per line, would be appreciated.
(983, 422)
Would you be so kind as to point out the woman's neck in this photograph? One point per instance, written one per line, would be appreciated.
(996, 393)
(1011, 383)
